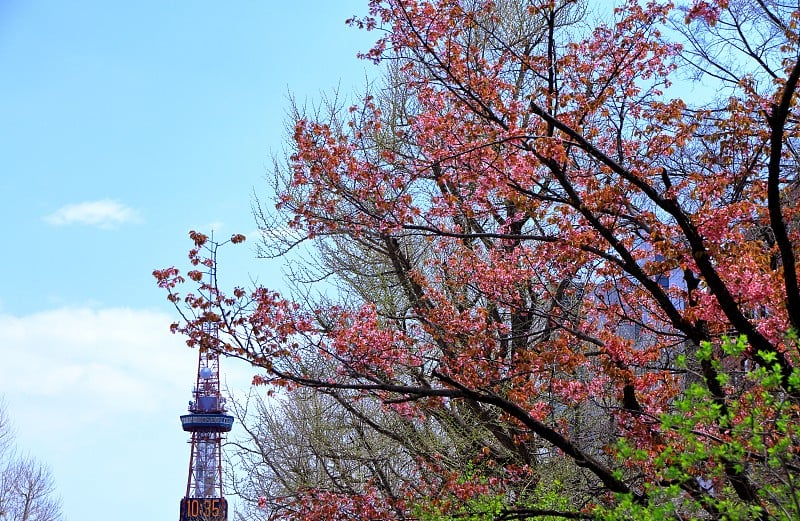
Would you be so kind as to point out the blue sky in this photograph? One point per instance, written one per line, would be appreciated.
(122, 126)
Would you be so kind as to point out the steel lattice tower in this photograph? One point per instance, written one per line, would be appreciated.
(208, 422)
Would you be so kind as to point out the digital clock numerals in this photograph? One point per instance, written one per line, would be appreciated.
(202, 509)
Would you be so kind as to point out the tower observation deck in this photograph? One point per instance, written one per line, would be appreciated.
(207, 422)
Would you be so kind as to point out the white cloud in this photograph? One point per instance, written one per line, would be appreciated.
(98, 392)
(108, 360)
(96, 365)
(104, 214)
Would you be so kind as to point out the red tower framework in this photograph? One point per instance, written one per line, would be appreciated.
(208, 423)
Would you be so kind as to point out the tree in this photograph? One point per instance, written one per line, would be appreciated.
(566, 243)
(27, 490)
(305, 442)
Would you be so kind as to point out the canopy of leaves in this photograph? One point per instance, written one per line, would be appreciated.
(541, 228)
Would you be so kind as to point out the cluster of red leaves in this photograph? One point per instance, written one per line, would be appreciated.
(572, 233)
(708, 12)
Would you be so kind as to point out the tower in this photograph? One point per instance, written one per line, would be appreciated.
(207, 422)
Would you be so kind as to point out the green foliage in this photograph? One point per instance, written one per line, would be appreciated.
(752, 436)
(474, 507)
(547, 495)
(481, 508)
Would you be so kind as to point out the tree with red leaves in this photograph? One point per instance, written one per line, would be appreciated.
(536, 231)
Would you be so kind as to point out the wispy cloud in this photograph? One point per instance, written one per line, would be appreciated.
(98, 392)
(105, 361)
(95, 357)
(105, 214)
